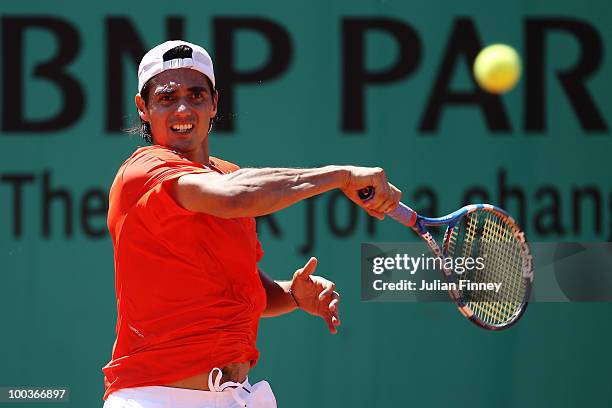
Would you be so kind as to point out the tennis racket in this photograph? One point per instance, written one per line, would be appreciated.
(488, 232)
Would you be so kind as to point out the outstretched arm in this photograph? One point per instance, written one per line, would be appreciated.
(257, 192)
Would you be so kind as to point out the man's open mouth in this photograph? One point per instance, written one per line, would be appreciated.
(182, 127)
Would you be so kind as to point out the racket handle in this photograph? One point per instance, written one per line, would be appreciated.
(402, 213)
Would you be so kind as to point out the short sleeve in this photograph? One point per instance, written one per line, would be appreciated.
(149, 169)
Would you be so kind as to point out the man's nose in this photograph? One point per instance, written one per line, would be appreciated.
(182, 109)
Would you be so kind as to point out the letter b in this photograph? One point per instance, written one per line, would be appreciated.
(13, 49)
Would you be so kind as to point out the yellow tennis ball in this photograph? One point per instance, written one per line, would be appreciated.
(497, 68)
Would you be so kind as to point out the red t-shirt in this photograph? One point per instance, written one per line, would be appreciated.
(189, 296)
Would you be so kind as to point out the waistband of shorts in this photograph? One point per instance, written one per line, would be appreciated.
(170, 395)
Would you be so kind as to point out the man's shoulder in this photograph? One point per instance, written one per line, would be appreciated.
(148, 162)
(224, 165)
(148, 167)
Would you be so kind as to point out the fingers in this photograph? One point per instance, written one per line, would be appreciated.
(384, 206)
(376, 214)
(334, 310)
(308, 269)
(330, 325)
(332, 318)
(333, 305)
(328, 288)
(389, 199)
(397, 197)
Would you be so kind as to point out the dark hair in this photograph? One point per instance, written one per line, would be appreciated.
(144, 128)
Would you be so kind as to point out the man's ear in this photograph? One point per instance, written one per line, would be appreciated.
(213, 113)
(142, 108)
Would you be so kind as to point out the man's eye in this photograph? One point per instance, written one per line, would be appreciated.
(198, 95)
(166, 98)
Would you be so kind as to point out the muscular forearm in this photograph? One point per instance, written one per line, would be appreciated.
(255, 192)
(259, 192)
(279, 301)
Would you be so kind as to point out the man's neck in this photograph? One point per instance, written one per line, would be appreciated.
(199, 155)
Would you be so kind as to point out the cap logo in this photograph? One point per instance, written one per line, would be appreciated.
(178, 63)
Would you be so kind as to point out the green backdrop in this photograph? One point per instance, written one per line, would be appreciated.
(549, 164)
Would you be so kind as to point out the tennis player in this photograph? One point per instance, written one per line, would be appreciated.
(189, 292)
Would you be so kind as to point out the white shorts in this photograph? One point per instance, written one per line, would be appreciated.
(251, 396)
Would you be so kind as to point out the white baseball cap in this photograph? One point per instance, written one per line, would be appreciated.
(154, 63)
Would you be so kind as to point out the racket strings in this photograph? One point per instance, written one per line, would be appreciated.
(496, 245)
(501, 238)
(487, 235)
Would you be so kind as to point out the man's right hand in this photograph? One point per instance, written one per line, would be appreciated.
(386, 195)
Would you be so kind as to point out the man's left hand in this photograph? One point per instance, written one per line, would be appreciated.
(316, 295)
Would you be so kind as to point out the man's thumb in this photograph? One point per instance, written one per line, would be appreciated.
(308, 269)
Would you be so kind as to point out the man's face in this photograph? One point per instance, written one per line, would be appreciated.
(179, 108)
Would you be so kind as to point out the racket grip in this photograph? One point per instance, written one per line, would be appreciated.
(402, 213)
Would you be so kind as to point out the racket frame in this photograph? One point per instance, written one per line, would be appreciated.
(419, 224)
